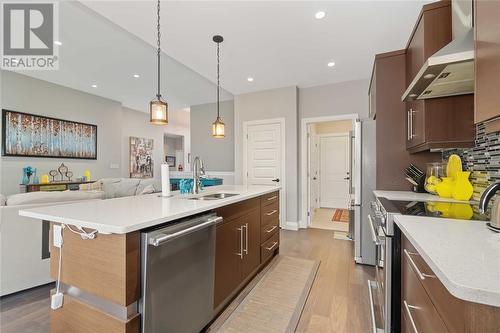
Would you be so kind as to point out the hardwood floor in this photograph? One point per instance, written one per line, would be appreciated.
(338, 301)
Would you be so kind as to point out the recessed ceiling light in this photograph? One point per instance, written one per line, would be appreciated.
(412, 95)
(94, 86)
(137, 76)
(319, 15)
(331, 64)
(250, 79)
(57, 42)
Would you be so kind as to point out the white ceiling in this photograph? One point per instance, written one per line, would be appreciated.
(278, 43)
(97, 51)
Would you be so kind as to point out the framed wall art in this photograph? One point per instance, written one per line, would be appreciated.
(30, 135)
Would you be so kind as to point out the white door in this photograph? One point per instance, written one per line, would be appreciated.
(313, 142)
(263, 156)
(334, 171)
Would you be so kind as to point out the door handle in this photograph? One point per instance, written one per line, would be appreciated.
(272, 246)
(276, 180)
(162, 238)
(314, 178)
(408, 312)
(246, 238)
(347, 178)
(271, 230)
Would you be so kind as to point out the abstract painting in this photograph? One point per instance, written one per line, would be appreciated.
(141, 157)
(31, 135)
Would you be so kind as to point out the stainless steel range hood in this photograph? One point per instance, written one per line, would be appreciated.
(449, 71)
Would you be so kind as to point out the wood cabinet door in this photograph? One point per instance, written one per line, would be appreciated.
(372, 94)
(415, 123)
(228, 247)
(487, 64)
(415, 53)
(251, 248)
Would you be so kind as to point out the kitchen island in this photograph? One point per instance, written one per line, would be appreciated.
(103, 277)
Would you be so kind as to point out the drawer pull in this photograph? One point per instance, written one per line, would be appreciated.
(272, 246)
(272, 212)
(421, 275)
(408, 312)
(272, 198)
(271, 230)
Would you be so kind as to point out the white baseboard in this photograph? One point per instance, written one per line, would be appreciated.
(290, 226)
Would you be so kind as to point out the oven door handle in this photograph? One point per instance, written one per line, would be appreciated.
(375, 238)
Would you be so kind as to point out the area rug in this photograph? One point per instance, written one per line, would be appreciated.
(340, 215)
(273, 301)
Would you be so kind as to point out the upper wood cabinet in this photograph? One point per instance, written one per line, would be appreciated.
(487, 64)
(387, 85)
(439, 122)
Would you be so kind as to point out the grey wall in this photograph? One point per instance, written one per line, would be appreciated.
(217, 154)
(334, 99)
(136, 124)
(115, 124)
(269, 104)
(25, 94)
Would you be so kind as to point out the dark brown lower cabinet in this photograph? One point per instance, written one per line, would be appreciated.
(427, 306)
(237, 249)
(227, 259)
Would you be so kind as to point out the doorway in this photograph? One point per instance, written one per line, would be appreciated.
(329, 172)
(264, 156)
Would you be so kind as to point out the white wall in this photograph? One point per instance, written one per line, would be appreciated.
(115, 124)
(269, 104)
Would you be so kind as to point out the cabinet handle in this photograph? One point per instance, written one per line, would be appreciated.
(246, 238)
(272, 246)
(411, 124)
(240, 254)
(408, 312)
(271, 230)
(421, 275)
(408, 125)
(272, 212)
(272, 198)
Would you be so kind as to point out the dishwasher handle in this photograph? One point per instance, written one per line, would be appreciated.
(164, 238)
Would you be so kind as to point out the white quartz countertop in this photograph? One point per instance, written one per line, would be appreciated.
(410, 196)
(127, 214)
(464, 255)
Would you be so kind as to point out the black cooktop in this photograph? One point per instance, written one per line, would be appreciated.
(442, 209)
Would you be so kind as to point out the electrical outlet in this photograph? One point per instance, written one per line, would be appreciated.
(57, 236)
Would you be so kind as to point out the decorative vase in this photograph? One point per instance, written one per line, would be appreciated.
(462, 189)
(445, 187)
(26, 179)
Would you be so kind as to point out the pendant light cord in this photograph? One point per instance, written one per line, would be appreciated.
(218, 79)
(159, 49)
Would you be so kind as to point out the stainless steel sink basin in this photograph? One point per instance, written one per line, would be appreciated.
(214, 196)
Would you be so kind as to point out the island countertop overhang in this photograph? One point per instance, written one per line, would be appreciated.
(128, 214)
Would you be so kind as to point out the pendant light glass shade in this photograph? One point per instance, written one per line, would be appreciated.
(158, 108)
(158, 111)
(218, 129)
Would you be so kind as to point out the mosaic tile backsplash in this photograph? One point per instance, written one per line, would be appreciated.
(483, 160)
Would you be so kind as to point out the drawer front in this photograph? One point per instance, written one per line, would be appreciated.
(267, 230)
(421, 315)
(270, 213)
(268, 248)
(270, 198)
(451, 309)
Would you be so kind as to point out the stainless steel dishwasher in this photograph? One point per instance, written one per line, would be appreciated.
(178, 264)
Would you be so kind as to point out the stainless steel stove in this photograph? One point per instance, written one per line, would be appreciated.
(386, 290)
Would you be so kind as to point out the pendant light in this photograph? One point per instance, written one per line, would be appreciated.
(218, 126)
(158, 108)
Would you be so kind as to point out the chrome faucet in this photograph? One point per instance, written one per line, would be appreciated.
(487, 195)
(198, 171)
(495, 211)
